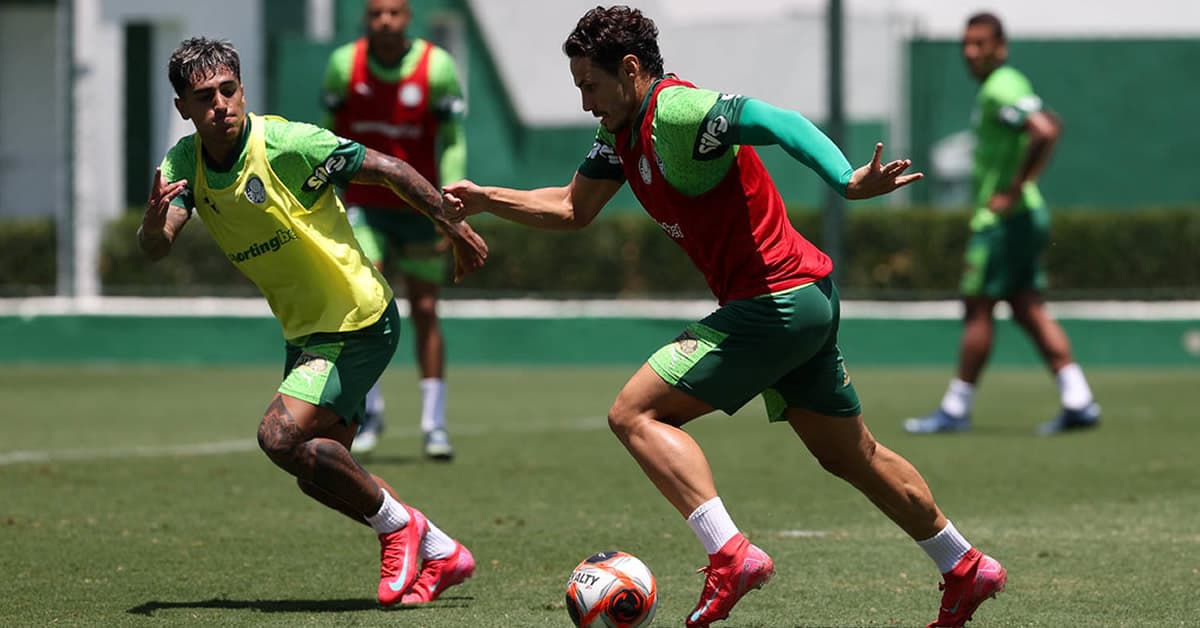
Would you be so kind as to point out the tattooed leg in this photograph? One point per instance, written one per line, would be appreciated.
(337, 503)
(288, 435)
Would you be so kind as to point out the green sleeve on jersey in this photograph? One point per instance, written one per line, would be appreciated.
(602, 162)
(763, 124)
(445, 92)
(1008, 95)
(446, 99)
(308, 158)
(180, 163)
(337, 82)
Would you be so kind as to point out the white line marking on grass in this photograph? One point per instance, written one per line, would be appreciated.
(164, 451)
(803, 534)
(237, 446)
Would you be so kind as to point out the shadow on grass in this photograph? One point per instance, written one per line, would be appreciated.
(293, 606)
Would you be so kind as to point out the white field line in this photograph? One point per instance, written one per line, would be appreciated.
(580, 308)
(219, 448)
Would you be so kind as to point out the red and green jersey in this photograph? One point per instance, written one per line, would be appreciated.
(1005, 101)
(398, 110)
(712, 196)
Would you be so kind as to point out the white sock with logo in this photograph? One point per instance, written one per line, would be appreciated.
(436, 544)
(1073, 387)
(712, 525)
(946, 548)
(433, 404)
(392, 515)
(958, 399)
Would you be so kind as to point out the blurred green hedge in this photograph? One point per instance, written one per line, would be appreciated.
(27, 257)
(892, 254)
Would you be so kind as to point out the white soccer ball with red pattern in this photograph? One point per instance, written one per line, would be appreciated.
(612, 590)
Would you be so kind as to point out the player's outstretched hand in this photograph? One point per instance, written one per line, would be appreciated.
(875, 179)
(470, 250)
(159, 203)
(470, 197)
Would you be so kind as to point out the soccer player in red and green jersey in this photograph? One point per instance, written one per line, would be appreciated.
(688, 155)
(1014, 137)
(263, 188)
(401, 96)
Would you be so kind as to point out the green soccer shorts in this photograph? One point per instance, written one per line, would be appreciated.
(1004, 258)
(406, 240)
(335, 370)
(782, 346)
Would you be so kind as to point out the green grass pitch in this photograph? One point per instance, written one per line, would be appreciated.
(141, 500)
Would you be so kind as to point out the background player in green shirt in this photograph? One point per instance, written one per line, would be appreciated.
(401, 96)
(263, 188)
(688, 155)
(1014, 137)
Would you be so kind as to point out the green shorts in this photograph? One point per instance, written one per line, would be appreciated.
(406, 240)
(781, 345)
(1004, 258)
(335, 370)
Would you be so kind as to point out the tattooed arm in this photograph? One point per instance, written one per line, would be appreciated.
(162, 221)
(470, 250)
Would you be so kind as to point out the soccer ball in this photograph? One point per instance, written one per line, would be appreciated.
(611, 590)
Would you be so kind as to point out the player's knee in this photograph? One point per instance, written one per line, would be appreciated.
(622, 419)
(278, 443)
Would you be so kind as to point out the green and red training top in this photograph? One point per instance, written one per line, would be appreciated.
(690, 162)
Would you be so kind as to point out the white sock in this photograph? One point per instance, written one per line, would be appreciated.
(946, 548)
(375, 401)
(958, 399)
(433, 404)
(1073, 387)
(712, 525)
(436, 544)
(392, 515)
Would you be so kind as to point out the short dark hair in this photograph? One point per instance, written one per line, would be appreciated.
(199, 58)
(989, 19)
(606, 35)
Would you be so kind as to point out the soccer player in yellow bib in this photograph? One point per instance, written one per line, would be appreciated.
(263, 187)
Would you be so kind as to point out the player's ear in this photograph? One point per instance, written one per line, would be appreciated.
(179, 108)
(630, 66)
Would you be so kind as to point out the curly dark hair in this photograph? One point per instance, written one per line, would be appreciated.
(199, 58)
(606, 35)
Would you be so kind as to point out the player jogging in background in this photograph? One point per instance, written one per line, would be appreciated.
(263, 188)
(401, 96)
(1014, 137)
(687, 153)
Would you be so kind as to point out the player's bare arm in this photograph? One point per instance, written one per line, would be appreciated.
(1043, 129)
(162, 221)
(470, 250)
(569, 207)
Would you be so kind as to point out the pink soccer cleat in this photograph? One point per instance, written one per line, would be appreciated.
(974, 579)
(398, 558)
(439, 574)
(735, 570)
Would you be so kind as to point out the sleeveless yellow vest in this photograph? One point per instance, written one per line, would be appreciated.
(306, 262)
